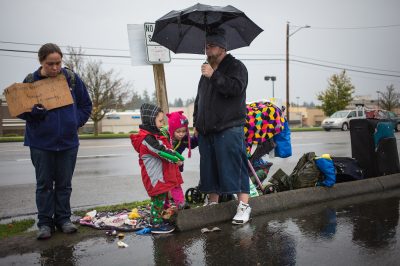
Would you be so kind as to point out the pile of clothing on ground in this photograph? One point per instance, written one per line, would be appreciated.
(124, 220)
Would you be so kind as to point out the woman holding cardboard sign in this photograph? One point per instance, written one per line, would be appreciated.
(52, 136)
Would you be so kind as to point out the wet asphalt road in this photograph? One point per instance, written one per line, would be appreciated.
(363, 230)
(107, 171)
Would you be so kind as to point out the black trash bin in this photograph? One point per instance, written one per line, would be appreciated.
(379, 160)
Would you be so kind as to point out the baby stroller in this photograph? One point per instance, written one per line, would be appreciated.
(263, 121)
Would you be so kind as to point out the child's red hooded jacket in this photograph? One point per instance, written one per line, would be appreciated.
(158, 174)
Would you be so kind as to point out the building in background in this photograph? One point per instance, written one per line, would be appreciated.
(129, 121)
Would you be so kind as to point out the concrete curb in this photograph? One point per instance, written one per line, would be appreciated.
(204, 216)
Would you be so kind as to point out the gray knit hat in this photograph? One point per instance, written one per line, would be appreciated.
(217, 37)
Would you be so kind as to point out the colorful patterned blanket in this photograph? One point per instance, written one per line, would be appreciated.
(263, 121)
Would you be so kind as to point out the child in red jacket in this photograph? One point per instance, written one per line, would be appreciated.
(159, 163)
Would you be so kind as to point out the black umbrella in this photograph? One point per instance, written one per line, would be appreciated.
(184, 31)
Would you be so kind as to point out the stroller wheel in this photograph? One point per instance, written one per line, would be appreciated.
(189, 195)
(193, 195)
(270, 188)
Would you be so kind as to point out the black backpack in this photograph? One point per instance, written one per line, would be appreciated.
(306, 172)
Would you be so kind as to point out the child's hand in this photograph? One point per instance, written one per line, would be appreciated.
(179, 163)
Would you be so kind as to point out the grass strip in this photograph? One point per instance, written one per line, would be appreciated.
(15, 227)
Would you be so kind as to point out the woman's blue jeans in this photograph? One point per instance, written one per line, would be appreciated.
(54, 170)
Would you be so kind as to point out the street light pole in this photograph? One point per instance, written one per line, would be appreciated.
(287, 66)
(273, 78)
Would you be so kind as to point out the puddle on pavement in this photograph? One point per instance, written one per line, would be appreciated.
(330, 233)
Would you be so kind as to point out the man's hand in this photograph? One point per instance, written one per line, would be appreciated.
(195, 132)
(207, 70)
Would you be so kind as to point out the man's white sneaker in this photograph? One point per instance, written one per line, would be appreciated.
(243, 214)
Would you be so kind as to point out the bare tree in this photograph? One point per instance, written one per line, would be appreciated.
(104, 87)
(390, 99)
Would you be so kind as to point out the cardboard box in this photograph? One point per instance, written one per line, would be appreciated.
(50, 92)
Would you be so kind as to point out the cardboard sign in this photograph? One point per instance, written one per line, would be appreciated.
(50, 92)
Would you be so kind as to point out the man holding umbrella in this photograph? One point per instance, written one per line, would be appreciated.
(220, 106)
(219, 116)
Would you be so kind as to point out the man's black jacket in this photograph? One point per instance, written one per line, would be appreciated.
(221, 100)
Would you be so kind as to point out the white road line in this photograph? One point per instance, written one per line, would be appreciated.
(104, 146)
(85, 156)
(80, 148)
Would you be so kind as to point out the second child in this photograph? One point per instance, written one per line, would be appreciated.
(178, 134)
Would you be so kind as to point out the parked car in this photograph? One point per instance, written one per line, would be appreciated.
(386, 115)
(341, 119)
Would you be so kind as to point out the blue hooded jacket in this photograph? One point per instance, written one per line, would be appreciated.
(57, 130)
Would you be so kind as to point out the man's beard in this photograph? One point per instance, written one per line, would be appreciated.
(212, 59)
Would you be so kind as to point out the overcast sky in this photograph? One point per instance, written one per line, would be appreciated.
(362, 35)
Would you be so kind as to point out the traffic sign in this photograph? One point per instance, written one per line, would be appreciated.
(156, 53)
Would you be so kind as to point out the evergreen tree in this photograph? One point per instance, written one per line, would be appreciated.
(146, 97)
(338, 94)
(135, 101)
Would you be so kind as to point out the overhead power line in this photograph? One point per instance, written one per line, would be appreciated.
(348, 69)
(244, 59)
(354, 28)
(347, 65)
(238, 54)
(89, 55)
(66, 46)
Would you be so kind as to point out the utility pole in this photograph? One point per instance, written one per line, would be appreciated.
(287, 66)
(287, 72)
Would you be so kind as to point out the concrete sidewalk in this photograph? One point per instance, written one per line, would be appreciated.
(203, 217)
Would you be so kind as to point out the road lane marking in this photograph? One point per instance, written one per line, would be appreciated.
(86, 156)
(80, 147)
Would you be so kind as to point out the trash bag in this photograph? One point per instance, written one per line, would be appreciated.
(283, 147)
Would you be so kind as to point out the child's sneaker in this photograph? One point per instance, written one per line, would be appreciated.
(210, 203)
(243, 214)
(162, 228)
(183, 206)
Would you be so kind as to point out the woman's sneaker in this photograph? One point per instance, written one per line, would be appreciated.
(68, 228)
(44, 232)
(242, 214)
(162, 228)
